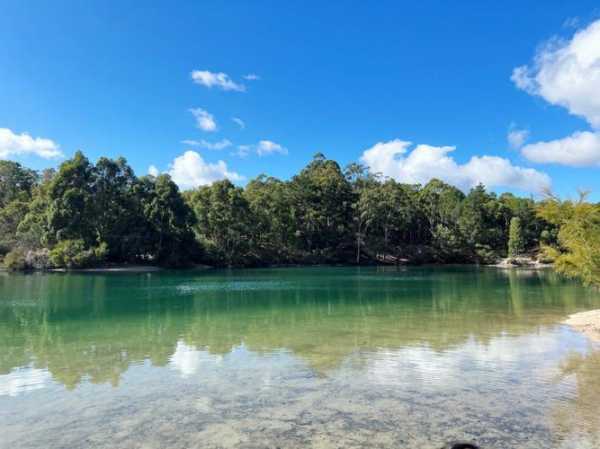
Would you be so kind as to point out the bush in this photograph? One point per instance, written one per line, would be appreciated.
(74, 254)
(15, 260)
(485, 254)
(38, 259)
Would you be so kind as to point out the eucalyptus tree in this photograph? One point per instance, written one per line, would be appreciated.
(321, 201)
(117, 211)
(71, 209)
(224, 223)
(16, 182)
(169, 222)
(273, 221)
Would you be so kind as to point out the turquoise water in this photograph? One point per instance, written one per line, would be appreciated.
(296, 357)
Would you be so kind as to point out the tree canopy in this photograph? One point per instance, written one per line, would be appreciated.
(84, 214)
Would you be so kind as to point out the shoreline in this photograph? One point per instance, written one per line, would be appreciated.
(588, 323)
(156, 268)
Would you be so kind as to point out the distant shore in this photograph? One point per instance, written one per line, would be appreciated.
(587, 323)
(505, 263)
(112, 269)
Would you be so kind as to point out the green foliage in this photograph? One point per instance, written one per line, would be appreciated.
(10, 217)
(15, 260)
(577, 253)
(516, 242)
(74, 254)
(16, 182)
(86, 214)
(321, 205)
(223, 222)
(168, 223)
(269, 221)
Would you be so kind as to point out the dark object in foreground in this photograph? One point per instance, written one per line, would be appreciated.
(461, 445)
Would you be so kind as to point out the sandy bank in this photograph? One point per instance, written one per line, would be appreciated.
(586, 322)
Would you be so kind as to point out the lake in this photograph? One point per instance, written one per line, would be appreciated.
(296, 357)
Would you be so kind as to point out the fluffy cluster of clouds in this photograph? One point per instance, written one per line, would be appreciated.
(190, 170)
(14, 145)
(424, 162)
(566, 73)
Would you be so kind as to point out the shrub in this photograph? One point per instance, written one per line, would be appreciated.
(74, 254)
(485, 254)
(38, 259)
(15, 260)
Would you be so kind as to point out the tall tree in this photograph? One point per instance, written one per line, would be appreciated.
(16, 182)
(516, 243)
(169, 222)
(272, 224)
(117, 211)
(71, 212)
(322, 204)
(223, 222)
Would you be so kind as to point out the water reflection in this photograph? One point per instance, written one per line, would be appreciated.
(322, 357)
(112, 322)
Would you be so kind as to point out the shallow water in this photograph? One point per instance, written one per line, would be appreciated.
(308, 357)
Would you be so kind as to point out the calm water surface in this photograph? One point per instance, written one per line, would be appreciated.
(309, 357)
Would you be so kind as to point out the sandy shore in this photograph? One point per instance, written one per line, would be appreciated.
(586, 322)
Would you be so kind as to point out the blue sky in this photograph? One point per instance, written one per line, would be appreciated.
(350, 79)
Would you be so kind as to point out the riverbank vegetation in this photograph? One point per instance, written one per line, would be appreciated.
(577, 249)
(86, 214)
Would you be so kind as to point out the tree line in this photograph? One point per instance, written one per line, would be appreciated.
(86, 214)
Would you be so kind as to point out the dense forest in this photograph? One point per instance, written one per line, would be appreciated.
(86, 214)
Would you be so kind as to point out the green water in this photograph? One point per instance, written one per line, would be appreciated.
(307, 357)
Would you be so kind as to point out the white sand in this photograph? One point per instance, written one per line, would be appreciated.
(587, 323)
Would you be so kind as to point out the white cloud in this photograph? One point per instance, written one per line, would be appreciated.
(425, 162)
(213, 79)
(204, 120)
(220, 145)
(190, 170)
(267, 147)
(517, 137)
(12, 144)
(251, 77)
(239, 122)
(262, 148)
(243, 151)
(153, 171)
(577, 150)
(567, 73)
